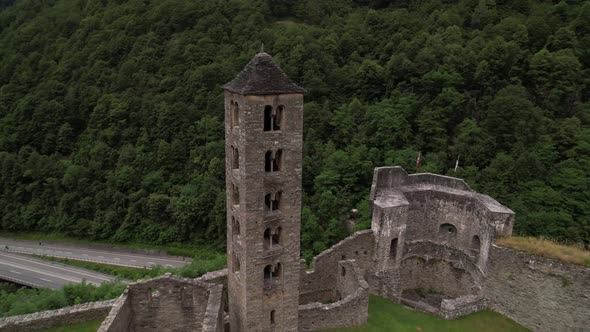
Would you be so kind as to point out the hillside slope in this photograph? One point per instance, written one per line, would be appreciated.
(111, 112)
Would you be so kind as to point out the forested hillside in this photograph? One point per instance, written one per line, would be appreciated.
(111, 112)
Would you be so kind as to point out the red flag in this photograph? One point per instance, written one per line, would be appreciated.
(418, 160)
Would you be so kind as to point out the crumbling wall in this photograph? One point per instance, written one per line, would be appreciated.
(119, 318)
(318, 284)
(435, 275)
(351, 310)
(54, 318)
(540, 293)
(168, 303)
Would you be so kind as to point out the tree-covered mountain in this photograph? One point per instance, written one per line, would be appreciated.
(111, 112)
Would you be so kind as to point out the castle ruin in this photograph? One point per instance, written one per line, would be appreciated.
(430, 245)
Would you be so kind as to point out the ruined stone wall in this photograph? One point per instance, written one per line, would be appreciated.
(119, 318)
(540, 293)
(435, 274)
(168, 303)
(351, 310)
(55, 318)
(318, 284)
(431, 211)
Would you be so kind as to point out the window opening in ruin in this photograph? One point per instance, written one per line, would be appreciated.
(278, 117)
(393, 249)
(268, 161)
(343, 257)
(268, 273)
(236, 158)
(235, 226)
(267, 236)
(276, 237)
(273, 118)
(268, 202)
(276, 272)
(475, 244)
(343, 271)
(447, 231)
(276, 202)
(235, 194)
(272, 203)
(276, 162)
(268, 118)
(154, 297)
(235, 115)
(272, 316)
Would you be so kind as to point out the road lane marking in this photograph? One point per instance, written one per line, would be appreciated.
(14, 271)
(46, 280)
(59, 267)
(169, 260)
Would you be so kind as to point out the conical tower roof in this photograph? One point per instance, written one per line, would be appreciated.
(262, 76)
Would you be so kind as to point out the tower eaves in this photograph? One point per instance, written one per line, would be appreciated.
(262, 76)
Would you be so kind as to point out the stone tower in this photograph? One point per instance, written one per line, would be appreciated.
(263, 148)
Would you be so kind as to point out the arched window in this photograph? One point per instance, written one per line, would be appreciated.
(236, 115)
(276, 272)
(393, 249)
(235, 226)
(447, 232)
(235, 194)
(268, 273)
(268, 161)
(272, 316)
(268, 118)
(277, 160)
(267, 238)
(276, 237)
(343, 271)
(235, 158)
(475, 244)
(273, 118)
(272, 203)
(278, 117)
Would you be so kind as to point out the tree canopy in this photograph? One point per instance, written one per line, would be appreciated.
(111, 112)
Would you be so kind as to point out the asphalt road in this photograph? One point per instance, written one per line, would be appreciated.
(78, 251)
(35, 272)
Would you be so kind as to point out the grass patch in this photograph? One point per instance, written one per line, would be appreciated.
(548, 248)
(89, 326)
(175, 248)
(387, 316)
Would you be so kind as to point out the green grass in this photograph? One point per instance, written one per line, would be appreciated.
(89, 326)
(387, 316)
(575, 254)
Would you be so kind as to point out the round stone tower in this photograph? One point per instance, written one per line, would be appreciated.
(263, 148)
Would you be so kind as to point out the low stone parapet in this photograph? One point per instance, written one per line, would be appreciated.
(55, 318)
(351, 310)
